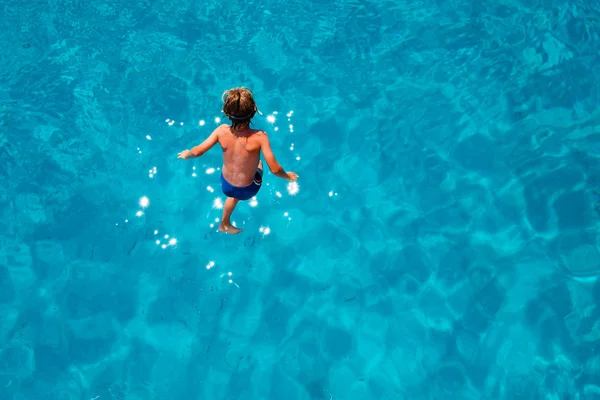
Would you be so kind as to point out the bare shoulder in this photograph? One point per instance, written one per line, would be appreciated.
(259, 135)
(259, 132)
(221, 131)
(222, 128)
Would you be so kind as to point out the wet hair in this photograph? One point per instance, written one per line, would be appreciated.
(239, 106)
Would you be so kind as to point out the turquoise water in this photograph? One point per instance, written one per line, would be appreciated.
(442, 242)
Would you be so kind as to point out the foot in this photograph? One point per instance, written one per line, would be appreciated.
(228, 228)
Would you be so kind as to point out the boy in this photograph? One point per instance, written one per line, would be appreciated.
(241, 175)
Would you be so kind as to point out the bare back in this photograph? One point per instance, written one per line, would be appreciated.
(241, 153)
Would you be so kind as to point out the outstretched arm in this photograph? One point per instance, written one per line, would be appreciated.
(274, 166)
(202, 148)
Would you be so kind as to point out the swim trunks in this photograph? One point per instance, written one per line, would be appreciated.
(242, 192)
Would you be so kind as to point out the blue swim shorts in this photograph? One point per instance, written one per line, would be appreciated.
(242, 192)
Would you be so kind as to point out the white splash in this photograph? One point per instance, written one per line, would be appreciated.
(218, 204)
(293, 188)
(144, 201)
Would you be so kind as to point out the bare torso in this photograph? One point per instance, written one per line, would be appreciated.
(241, 153)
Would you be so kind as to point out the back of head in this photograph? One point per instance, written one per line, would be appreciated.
(239, 106)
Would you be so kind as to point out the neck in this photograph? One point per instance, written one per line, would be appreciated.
(240, 127)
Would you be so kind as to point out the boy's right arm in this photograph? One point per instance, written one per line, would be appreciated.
(274, 166)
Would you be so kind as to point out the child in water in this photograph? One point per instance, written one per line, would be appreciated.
(242, 171)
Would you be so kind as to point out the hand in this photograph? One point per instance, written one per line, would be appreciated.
(292, 176)
(184, 155)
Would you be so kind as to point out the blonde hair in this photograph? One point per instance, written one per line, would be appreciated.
(239, 106)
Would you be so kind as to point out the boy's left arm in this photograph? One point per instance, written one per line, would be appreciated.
(202, 148)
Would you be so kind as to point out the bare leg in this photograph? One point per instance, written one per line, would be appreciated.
(225, 225)
(230, 204)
